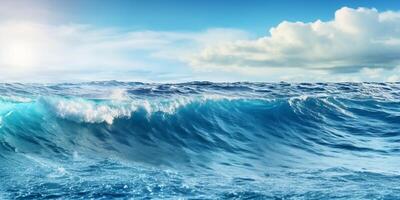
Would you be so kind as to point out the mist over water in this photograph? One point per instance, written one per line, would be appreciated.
(200, 140)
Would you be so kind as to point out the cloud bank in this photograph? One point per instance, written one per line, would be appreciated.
(356, 40)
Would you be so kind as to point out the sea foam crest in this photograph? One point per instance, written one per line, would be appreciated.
(90, 111)
(87, 111)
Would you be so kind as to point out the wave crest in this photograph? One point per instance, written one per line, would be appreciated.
(87, 111)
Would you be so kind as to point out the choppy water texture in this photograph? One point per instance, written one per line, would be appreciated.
(200, 140)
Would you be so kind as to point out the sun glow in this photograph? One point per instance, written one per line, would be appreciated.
(19, 55)
(21, 45)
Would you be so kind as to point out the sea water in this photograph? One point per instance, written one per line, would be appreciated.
(200, 140)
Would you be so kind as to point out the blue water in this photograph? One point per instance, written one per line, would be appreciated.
(200, 140)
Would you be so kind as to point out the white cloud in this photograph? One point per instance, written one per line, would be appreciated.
(393, 78)
(355, 40)
(40, 51)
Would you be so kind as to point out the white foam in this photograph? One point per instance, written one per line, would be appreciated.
(171, 106)
(338, 108)
(16, 99)
(87, 111)
(119, 95)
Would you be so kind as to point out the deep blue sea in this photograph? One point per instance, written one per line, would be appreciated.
(200, 140)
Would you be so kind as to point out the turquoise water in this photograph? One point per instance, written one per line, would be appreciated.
(200, 140)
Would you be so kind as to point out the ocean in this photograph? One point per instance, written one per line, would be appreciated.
(200, 140)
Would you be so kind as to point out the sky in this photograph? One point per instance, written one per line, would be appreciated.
(184, 40)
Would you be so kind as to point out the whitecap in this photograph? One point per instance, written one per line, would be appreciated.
(81, 110)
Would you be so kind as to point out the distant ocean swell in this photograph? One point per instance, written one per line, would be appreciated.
(200, 140)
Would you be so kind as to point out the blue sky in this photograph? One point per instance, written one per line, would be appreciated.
(177, 40)
(256, 16)
(253, 15)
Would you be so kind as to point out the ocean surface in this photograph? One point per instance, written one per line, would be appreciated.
(200, 140)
